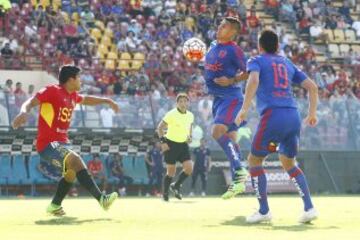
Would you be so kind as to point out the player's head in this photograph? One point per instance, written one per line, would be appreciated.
(182, 102)
(228, 29)
(268, 42)
(69, 75)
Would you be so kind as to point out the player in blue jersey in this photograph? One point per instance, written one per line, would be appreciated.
(224, 68)
(270, 79)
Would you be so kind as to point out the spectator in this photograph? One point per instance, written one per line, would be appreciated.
(97, 170)
(6, 51)
(107, 117)
(20, 95)
(317, 33)
(197, 134)
(356, 26)
(87, 18)
(252, 20)
(117, 171)
(8, 86)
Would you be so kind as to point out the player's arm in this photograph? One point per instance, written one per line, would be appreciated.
(312, 88)
(26, 107)
(189, 140)
(250, 91)
(225, 81)
(93, 101)
(161, 133)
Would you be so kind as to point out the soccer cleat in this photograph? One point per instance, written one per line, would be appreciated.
(191, 194)
(55, 210)
(308, 216)
(165, 197)
(257, 217)
(107, 200)
(238, 186)
(203, 194)
(175, 191)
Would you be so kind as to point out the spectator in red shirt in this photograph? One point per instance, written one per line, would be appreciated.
(252, 20)
(97, 170)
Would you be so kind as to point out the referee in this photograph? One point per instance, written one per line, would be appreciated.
(174, 144)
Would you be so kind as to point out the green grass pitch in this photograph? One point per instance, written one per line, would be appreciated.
(192, 218)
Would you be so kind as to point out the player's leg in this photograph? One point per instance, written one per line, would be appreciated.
(56, 154)
(224, 132)
(184, 158)
(170, 173)
(299, 179)
(194, 177)
(76, 164)
(287, 152)
(203, 177)
(185, 173)
(259, 184)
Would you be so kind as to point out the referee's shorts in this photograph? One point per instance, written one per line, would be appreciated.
(178, 152)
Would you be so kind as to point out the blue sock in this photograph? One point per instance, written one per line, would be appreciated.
(298, 177)
(259, 183)
(231, 153)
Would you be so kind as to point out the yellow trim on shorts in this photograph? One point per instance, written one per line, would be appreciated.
(64, 162)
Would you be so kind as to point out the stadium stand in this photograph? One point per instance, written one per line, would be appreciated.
(133, 53)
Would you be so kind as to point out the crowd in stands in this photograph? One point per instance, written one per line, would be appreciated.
(104, 36)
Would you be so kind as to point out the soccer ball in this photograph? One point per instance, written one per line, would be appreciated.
(194, 49)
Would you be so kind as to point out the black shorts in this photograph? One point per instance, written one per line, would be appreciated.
(178, 152)
(55, 154)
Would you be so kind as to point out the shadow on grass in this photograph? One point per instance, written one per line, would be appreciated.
(70, 221)
(241, 221)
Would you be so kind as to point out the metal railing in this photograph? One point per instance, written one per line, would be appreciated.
(338, 127)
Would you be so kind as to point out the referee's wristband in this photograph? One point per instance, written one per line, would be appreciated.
(163, 140)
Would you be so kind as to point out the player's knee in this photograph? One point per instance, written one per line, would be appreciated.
(171, 172)
(75, 163)
(70, 175)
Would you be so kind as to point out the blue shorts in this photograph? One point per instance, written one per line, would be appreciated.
(278, 126)
(225, 110)
(55, 154)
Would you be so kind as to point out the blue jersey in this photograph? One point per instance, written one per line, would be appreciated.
(276, 74)
(156, 157)
(201, 158)
(224, 60)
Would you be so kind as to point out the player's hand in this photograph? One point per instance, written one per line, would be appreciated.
(164, 147)
(19, 120)
(223, 81)
(114, 106)
(311, 120)
(189, 139)
(243, 76)
(241, 117)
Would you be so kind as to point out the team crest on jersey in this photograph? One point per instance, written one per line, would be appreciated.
(222, 54)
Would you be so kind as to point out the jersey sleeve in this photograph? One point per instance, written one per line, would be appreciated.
(79, 98)
(240, 59)
(45, 94)
(168, 118)
(253, 65)
(299, 75)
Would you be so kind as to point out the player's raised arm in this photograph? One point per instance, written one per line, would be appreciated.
(21, 118)
(94, 100)
(250, 91)
(312, 88)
